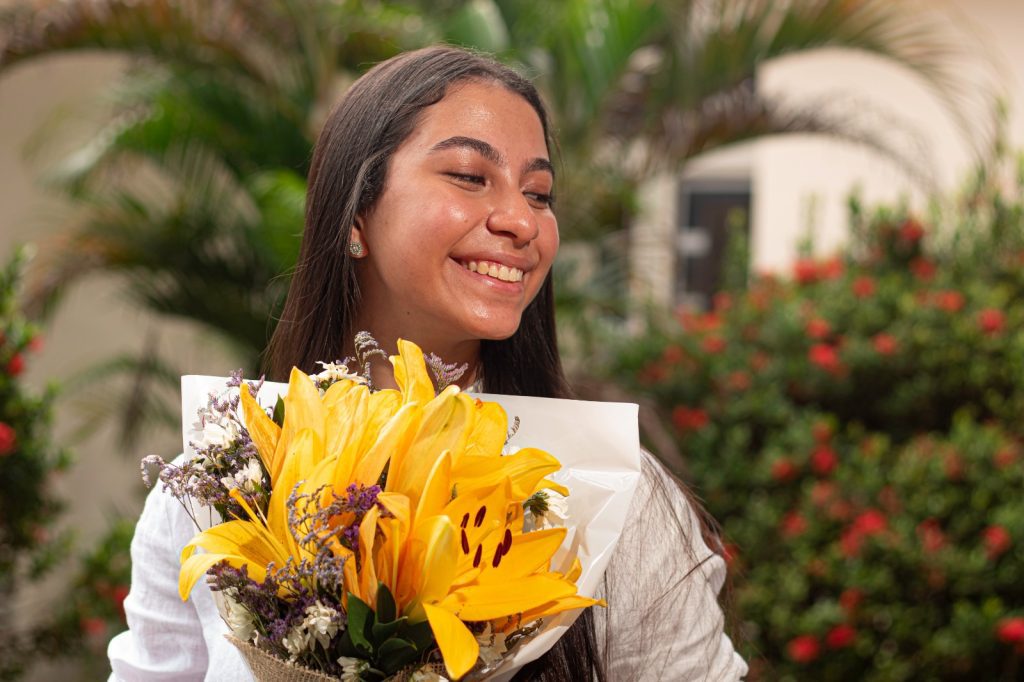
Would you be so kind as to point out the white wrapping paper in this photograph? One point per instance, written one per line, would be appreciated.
(598, 446)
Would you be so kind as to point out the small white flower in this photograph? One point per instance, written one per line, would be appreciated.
(492, 646)
(247, 478)
(426, 676)
(555, 517)
(351, 668)
(296, 641)
(321, 623)
(222, 433)
(334, 372)
(238, 619)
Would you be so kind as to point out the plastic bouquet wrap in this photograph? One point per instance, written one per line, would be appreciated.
(362, 534)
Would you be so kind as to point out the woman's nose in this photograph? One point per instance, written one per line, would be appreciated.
(513, 216)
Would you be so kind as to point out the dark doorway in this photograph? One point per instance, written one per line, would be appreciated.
(708, 212)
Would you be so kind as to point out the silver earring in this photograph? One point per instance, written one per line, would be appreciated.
(356, 249)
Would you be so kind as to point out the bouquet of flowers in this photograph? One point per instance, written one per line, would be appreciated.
(374, 534)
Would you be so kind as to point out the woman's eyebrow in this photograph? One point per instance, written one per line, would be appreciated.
(483, 148)
(487, 151)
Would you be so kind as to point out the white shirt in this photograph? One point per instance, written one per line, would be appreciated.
(663, 621)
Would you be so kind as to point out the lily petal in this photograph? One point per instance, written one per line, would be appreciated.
(411, 374)
(264, 432)
(459, 647)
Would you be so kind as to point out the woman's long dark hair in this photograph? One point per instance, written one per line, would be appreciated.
(346, 177)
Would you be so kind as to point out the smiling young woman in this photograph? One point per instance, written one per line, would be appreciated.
(429, 217)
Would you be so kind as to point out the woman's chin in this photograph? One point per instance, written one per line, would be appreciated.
(496, 329)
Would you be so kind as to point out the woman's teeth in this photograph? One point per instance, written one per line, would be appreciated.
(502, 272)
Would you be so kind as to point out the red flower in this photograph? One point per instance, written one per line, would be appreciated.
(923, 269)
(826, 357)
(737, 381)
(991, 321)
(850, 600)
(950, 301)
(824, 460)
(16, 365)
(93, 627)
(1005, 457)
(793, 524)
(672, 354)
(803, 649)
(713, 345)
(8, 439)
(839, 509)
(850, 542)
(889, 499)
(954, 466)
(822, 493)
(36, 344)
(929, 532)
(868, 523)
(818, 328)
(831, 269)
(783, 470)
(652, 374)
(997, 541)
(885, 344)
(1011, 630)
(722, 301)
(117, 595)
(871, 522)
(759, 361)
(840, 637)
(689, 419)
(805, 271)
(911, 231)
(863, 287)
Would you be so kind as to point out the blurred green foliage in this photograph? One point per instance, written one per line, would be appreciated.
(857, 429)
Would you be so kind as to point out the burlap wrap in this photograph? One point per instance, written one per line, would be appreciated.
(266, 668)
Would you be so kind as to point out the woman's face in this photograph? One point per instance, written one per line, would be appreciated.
(463, 235)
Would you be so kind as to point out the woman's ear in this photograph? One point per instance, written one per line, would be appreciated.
(356, 243)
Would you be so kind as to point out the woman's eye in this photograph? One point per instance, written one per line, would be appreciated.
(467, 178)
(539, 199)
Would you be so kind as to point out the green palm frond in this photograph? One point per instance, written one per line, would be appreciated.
(716, 49)
(231, 35)
(138, 393)
(191, 239)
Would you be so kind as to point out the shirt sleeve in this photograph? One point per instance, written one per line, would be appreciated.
(165, 636)
(663, 620)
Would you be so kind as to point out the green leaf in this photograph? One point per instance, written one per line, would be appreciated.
(386, 609)
(395, 654)
(382, 631)
(360, 617)
(345, 647)
(279, 413)
(420, 635)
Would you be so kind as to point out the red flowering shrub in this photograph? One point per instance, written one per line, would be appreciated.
(28, 460)
(866, 465)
